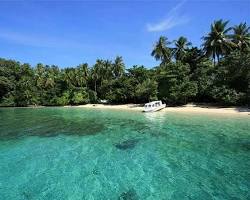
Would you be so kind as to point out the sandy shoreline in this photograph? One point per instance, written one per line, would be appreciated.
(189, 108)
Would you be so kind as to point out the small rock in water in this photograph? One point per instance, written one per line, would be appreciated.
(127, 144)
(129, 195)
(26, 195)
(95, 172)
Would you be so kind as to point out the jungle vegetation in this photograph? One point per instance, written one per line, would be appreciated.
(218, 72)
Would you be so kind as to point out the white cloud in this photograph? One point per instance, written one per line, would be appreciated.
(174, 18)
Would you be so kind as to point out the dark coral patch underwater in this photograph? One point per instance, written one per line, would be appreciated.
(129, 195)
(54, 127)
(127, 144)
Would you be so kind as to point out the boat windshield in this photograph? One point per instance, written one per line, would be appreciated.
(152, 104)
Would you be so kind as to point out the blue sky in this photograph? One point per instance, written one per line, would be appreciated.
(67, 33)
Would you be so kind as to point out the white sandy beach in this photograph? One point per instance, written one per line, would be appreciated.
(189, 108)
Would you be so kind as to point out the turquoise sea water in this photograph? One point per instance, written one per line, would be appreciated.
(79, 153)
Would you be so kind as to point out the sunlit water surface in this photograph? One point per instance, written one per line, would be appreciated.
(78, 153)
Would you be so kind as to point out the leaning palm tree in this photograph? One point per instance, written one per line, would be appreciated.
(161, 50)
(181, 47)
(217, 42)
(241, 36)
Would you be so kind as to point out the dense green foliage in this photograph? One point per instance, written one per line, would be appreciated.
(217, 73)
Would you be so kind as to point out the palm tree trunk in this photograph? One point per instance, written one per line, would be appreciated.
(214, 59)
(218, 58)
(95, 86)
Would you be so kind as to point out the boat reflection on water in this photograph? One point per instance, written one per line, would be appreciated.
(158, 117)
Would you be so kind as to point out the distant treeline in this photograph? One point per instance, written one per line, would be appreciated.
(219, 72)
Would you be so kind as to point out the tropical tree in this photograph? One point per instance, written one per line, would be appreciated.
(82, 74)
(217, 42)
(181, 47)
(95, 75)
(9, 70)
(107, 70)
(80, 97)
(161, 50)
(70, 77)
(193, 57)
(51, 76)
(174, 84)
(118, 67)
(233, 79)
(184, 74)
(25, 90)
(146, 91)
(139, 73)
(241, 36)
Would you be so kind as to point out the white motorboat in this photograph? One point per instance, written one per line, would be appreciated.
(153, 106)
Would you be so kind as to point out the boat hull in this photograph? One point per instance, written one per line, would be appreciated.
(155, 109)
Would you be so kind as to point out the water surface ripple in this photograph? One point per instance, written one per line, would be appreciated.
(79, 153)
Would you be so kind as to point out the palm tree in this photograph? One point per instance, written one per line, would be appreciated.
(108, 67)
(50, 79)
(40, 75)
(217, 42)
(70, 77)
(241, 36)
(118, 67)
(82, 74)
(181, 47)
(161, 50)
(97, 72)
(84, 69)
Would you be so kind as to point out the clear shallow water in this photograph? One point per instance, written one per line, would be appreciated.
(76, 153)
